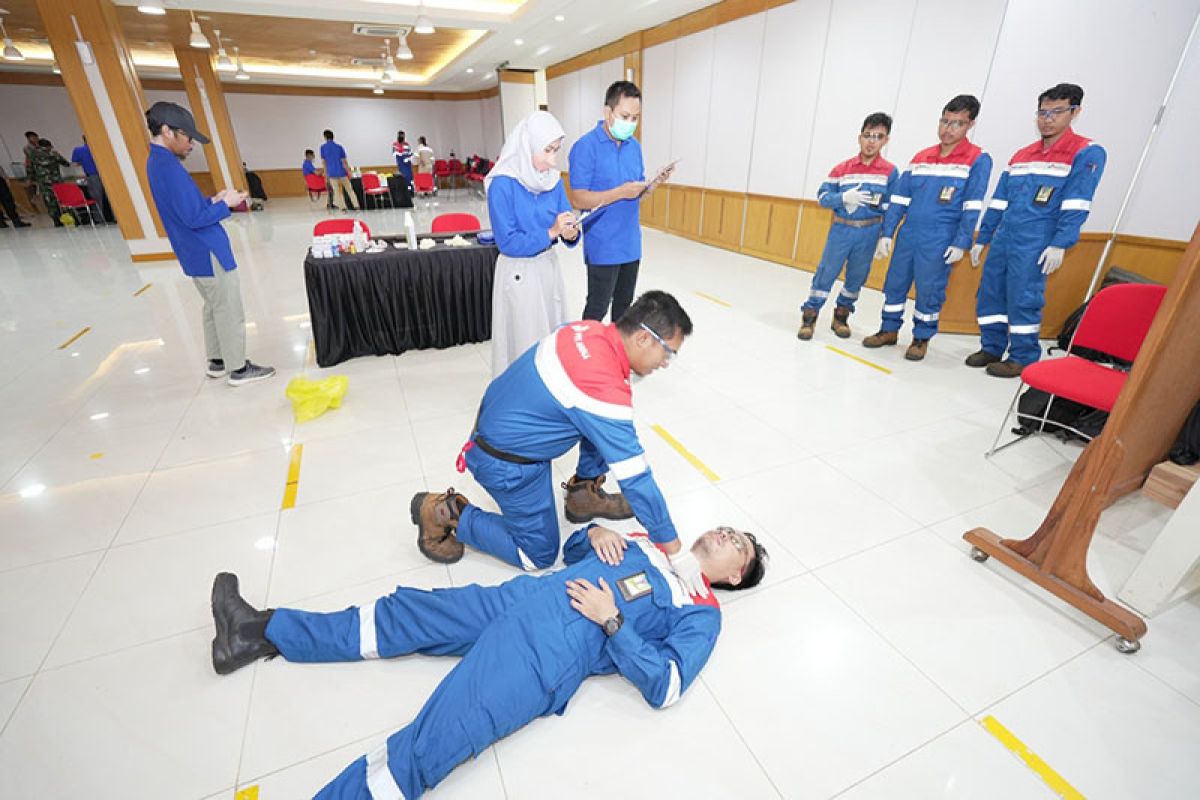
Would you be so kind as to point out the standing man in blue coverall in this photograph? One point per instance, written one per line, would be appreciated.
(606, 169)
(526, 644)
(1033, 218)
(941, 195)
(572, 387)
(857, 190)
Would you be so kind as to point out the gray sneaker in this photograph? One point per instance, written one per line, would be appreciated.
(250, 373)
(216, 368)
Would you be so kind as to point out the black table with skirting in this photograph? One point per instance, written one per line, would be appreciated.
(398, 187)
(398, 300)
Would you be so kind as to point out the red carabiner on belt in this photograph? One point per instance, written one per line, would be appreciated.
(460, 463)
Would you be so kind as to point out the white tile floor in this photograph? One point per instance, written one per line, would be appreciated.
(860, 669)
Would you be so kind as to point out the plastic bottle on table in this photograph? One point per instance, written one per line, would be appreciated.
(359, 237)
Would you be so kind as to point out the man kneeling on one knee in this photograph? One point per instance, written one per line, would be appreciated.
(526, 645)
(572, 387)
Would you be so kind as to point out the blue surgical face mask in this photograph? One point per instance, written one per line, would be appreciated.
(622, 129)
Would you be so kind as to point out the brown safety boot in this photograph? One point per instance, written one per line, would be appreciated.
(1005, 369)
(840, 324)
(981, 358)
(586, 501)
(881, 338)
(808, 320)
(916, 350)
(436, 517)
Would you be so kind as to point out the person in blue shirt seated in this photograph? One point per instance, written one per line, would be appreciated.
(308, 167)
(82, 156)
(193, 225)
(337, 171)
(606, 169)
(529, 213)
(527, 645)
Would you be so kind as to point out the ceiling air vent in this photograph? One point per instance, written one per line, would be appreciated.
(381, 31)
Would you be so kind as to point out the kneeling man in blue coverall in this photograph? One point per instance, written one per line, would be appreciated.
(526, 645)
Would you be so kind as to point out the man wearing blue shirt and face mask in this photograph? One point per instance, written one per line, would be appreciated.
(193, 225)
(606, 169)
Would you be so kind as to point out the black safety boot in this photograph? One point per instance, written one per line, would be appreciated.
(241, 628)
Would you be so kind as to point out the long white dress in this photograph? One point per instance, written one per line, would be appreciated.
(528, 302)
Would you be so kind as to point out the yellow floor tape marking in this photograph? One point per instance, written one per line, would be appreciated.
(841, 352)
(293, 477)
(716, 300)
(683, 451)
(94, 456)
(1055, 781)
(140, 291)
(249, 793)
(73, 339)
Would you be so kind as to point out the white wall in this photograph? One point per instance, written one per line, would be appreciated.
(577, 98)
(768, 103)
(517, 101)
(273, 131)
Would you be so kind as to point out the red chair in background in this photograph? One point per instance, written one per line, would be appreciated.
(70, 197)
(423, 182)
(441, 170)
(340, 225)
(316, 186)
(455, 223)
(1115, 323)
(373, 187)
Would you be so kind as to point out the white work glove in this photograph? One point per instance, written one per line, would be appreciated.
(977, 255)
(688, 569)
(883, 249)
(853, 198)
(1051, 259)
(953, 255)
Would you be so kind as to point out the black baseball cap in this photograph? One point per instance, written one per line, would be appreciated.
(175, 116)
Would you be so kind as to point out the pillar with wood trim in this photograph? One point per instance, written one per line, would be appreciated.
(97, 70)
(206, 101)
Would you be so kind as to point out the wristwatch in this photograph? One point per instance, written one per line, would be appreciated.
(613, 624)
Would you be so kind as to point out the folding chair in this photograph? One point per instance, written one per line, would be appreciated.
(372, 187)
(70, 197)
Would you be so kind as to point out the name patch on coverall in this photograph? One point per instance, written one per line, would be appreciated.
(634, 586)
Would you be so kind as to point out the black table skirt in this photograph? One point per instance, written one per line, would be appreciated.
(398, 300)
(398, 187)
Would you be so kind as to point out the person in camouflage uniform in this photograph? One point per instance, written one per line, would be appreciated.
(44, 171)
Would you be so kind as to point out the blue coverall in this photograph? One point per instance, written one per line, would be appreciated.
(851, 244)
(525, 653)
(570, 388)
(941, 199)
(1041, 201)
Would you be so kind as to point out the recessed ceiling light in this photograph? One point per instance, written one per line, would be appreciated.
(152, 7)
(518, 42)
(98, 416)
(470, 70)
(559, 18)
(312, 52)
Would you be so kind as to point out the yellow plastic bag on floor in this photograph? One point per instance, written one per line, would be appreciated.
(311, 399)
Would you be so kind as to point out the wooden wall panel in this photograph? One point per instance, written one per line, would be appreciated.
(683, 210)
(815, 222)
(654, 208)
(770, 229)
(1156, 259)
(721, 224)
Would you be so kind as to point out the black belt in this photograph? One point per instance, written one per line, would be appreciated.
(500, 454)
(858, 223)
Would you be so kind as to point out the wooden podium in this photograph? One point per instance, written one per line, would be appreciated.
(1163, 387)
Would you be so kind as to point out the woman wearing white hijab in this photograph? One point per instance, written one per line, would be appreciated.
(529, 213)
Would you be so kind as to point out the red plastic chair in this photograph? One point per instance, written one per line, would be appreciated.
(441, 169)
(70, 197)
(455, 223)
(1115, 323)
(339, 225)
(316, 186)
(423, 182)
(373, 187)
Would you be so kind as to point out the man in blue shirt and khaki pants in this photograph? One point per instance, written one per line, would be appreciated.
(193, 225)
(607, 170)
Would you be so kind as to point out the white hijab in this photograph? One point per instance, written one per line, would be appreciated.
(531, 135)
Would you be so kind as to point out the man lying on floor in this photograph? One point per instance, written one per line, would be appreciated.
(526, 645)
